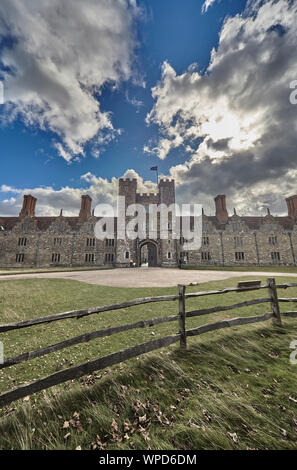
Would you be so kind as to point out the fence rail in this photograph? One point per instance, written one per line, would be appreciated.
(120, 356)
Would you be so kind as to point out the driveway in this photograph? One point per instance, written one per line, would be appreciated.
(145, 277)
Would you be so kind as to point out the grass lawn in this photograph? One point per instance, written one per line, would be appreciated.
(271, 269)
(232, 389)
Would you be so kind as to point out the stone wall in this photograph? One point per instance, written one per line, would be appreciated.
(32, 241)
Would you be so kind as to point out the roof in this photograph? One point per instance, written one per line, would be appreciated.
(252, 222)
(43, 223)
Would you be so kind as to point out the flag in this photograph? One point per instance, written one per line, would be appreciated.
(154, 168)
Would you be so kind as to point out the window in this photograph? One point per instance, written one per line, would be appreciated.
(275, 256)
(205, 256)
(239, 256)
(109, 257)
(181, 240)
(236, 227)
(238, 241)
(109, 242)
(57, 241)
(127, 255)
(205, 240)
(169, 255)
(19, 257)
(22, 241)
(272, 240)
(56, 257)
(91, 241)
(90, 258)
(91, 228)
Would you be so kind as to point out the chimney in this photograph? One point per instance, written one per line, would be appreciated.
(85, 208)
(29, 203)
(221, 211)
(292, 206)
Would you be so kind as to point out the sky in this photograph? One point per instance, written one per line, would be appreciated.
(103, 89)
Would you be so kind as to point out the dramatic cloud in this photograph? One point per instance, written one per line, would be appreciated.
(236, 122)
(51, 201)
(56, 55)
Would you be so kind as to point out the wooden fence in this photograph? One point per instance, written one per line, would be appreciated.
(118, 357)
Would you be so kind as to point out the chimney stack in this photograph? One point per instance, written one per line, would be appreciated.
(85, 209)
(221, 210)
(29, 203)
(292, 206)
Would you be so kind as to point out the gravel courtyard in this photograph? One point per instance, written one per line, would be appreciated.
(146, 277)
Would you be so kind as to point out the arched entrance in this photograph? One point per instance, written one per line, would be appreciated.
(148, 255)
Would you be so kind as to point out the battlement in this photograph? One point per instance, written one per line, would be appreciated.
(167, 191)
(147, 198)
(167, 180)
(128, 179)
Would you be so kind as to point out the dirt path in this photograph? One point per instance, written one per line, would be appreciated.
(145, 277)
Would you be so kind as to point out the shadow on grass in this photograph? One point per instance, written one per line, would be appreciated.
(232, 389)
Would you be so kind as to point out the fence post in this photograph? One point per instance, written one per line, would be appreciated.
(182, 316)
(274, 302)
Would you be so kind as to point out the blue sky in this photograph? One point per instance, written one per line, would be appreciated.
(163, 46)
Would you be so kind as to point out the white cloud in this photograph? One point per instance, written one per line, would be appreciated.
(206, 5)
(134, 102)
(235, 121)
(63, 52)
(50, 201)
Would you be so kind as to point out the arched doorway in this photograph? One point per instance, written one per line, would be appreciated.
(148, 253)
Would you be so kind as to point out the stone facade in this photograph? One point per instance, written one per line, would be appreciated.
(32, 241)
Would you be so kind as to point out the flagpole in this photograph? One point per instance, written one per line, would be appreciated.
(155, 168)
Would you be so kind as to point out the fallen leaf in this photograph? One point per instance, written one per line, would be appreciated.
(142, 419)
(126, 426)
(114, 425)
(207, 415)
(233, 436)
(293, 399)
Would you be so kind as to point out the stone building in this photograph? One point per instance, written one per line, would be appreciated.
(32, 241)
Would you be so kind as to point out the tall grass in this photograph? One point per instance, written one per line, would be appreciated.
(232, 389)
